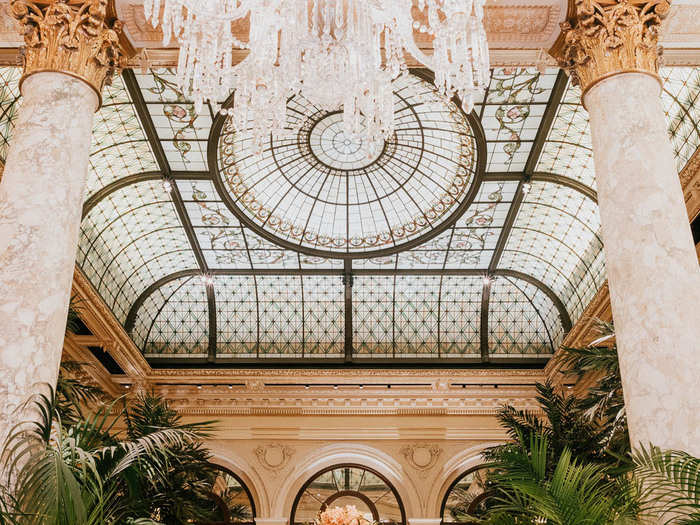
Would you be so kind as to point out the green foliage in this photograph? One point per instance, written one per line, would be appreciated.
(672, 484)
(563, 425)
(573, 464)
(73, 321)
(84, 472)
(181, 490)
(604, 401)
(536, 486)
(72, 395)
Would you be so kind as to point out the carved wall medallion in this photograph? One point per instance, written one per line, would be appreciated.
(274, 456)
(612, 36)
(421, 457)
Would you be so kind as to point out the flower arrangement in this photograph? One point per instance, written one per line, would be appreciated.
(348, 515)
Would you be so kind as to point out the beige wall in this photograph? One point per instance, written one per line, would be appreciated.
(419, 438)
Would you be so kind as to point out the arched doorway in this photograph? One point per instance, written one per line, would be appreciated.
(232, 500)
(349, 484)
(464, 499)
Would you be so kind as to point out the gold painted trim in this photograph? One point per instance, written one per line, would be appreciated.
(68, 73)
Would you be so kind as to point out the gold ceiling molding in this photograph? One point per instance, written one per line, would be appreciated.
(94, 374)
(690, 181)
(608, 37)
(101, 321)
(370, 376)
(202, 402)
(75, 38)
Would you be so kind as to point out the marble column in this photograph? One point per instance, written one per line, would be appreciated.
(653, 271)
(41, 193)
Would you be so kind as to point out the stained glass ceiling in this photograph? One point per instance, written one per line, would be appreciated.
(465, 240)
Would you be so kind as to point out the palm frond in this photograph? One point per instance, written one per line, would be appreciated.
(671, 481)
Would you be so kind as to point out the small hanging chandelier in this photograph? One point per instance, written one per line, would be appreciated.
(339, 54)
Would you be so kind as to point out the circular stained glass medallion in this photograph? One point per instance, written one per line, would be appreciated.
(325, 192)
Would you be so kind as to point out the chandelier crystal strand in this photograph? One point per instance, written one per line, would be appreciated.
(342, 55)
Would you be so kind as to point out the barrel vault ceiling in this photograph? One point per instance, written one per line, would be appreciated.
(468, 239)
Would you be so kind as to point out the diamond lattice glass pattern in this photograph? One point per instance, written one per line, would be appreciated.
(181, 326)
(519, 321)
(131, 239)
(134, 237)
(568, 149)
(119, 147)
(556, 239)
(9, 104)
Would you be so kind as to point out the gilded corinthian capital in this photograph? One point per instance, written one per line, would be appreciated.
(73, 37)
(608, 37)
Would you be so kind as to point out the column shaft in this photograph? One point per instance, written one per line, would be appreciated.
(653, 271)
(41, 195)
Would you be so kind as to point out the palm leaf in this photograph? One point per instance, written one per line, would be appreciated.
(672, 483)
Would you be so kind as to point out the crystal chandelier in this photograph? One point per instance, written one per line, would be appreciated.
(339, 54)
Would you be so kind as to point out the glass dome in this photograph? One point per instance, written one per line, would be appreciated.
(326, 192)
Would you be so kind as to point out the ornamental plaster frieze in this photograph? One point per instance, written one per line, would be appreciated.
(452, 375)
(534, 22)
(226, 400)
(690, 180)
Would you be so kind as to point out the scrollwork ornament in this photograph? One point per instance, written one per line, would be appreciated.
(612, 36)
(75, 38)
(274, 456)
(421, 457)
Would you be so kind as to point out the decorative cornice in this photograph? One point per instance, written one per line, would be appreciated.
(78, 39)
(366, 375)
(690, 181)
(102, 323)
(608, 37)
(92, 371)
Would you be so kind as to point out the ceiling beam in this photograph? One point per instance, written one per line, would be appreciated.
(484, 321)
(347, 287)
(340, 363)
(135, 178)
(550, 113)
(545, 176)
(542, 132)
(161, 159)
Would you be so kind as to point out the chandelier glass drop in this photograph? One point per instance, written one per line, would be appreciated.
(339, 54)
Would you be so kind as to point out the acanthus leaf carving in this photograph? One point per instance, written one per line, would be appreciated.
(73, 38)
(612, 36)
